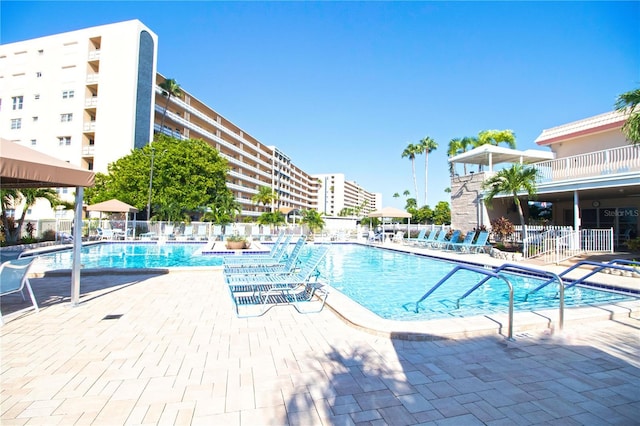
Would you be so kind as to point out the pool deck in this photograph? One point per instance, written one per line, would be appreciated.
(167, 349)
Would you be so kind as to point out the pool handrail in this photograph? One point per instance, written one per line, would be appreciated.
(489, 274)
(515, 268)
(599, 267)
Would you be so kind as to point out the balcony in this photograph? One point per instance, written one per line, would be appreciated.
(607, 163)
(89, 126)
(88, 151)
(91, 102)
(94, 55)
(93, 78)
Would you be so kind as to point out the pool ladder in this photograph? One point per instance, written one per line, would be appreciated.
(599, 266)
(496, 273)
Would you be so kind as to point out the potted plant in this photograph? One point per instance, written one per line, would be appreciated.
(237, 242)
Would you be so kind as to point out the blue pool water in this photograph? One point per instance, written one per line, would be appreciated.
(380, 280)
(135, 256)
(384, 280)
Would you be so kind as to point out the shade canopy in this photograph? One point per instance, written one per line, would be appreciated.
(112, 206)
(22, 167)
(389, 212)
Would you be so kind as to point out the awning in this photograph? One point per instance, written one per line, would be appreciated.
(488, 155)
(22, 167)
(112, 206)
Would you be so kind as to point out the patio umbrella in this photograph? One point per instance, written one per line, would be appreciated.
(22, 167)
(114, 206)
(391, 212)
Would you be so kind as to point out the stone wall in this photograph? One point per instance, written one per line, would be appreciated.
(467, 211)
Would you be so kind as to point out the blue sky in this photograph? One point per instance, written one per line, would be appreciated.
(343, 87)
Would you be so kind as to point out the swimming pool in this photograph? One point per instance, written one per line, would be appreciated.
(133, 256)
(380, 280)
(384, 280)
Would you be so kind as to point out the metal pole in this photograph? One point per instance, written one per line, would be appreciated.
(150, 186)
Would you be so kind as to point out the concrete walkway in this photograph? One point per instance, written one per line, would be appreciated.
(167, 349)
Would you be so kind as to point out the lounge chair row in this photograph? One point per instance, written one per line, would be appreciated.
(257, 283)
(473, 242)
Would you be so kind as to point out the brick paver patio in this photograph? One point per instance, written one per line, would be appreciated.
(167, 349)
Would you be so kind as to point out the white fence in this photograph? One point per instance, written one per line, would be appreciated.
(555, 246)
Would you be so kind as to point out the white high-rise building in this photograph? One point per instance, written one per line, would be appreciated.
(84, 96)
(91, 96)
(336, 195)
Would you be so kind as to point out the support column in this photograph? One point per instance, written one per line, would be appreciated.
(77, 246)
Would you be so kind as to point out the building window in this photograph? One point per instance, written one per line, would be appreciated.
(64, 140)
(40, 51)
(66, 117)
(33, 142)
(68, 94)
(35, 119)
(38, 74)
(16, 123)
(90, 165)
(36, 96)
(17, 102)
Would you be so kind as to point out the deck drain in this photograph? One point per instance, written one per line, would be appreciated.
(112, 317)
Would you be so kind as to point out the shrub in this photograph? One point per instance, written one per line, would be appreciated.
(49, 235)
(501, 228)
(634, 244)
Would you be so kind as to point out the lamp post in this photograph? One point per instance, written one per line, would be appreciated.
(150, 184)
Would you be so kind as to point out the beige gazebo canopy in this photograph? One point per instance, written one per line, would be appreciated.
(22, 167)
(112, 206)
(391, 212)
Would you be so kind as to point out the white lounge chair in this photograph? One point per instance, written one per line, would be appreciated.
(13, 279)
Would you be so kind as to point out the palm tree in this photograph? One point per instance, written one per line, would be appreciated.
(313, 220)
(426, 146)
(11, 198)
(410, 152)
(458, 146)
(629, 102)
(171, 88)
(265, 196)
(496, 137)
(513, 180)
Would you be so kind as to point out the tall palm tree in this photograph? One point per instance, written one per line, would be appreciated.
(171, 88)
(410, 152)
(426, 145)
(629, 101)
(265, 196)
(513, 180)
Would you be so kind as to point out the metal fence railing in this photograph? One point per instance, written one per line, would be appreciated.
(555, 246)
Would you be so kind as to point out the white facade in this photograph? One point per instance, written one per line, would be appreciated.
(84, 96)
(335, 193)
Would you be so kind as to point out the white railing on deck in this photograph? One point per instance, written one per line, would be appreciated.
(600, 163)
(555, 246)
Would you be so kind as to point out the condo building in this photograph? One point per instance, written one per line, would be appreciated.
(340, 197)
(91, 96)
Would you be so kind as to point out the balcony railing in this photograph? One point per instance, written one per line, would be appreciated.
(93, 78)
(94, 55)
(89, 126)
(91, 102)
(88, 151)
(600, 163)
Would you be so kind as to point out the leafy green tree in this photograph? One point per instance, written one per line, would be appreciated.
(265, 196)
(441, 213)
(511, 181)
(406, 193)
(170, 88)
(313, 219)
(187, 174)
(411, 204)
(628, 102)
(410, 152)
(426, 146)
(12, 198)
